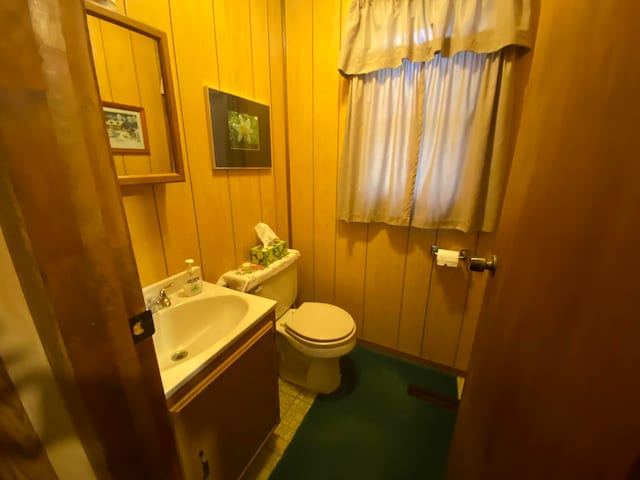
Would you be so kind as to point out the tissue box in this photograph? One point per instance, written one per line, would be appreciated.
(267, 255)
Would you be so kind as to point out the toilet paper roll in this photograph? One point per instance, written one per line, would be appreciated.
(447, 258)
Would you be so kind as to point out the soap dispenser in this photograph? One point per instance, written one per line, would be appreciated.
(193, 285)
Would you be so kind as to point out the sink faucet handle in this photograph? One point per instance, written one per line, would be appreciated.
(165, 301)
(163, 292)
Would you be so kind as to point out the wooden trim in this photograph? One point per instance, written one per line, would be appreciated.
(412, 358)
(116, 18)
(164, 59)
(220, 368)
(182, 392)
(148, 179)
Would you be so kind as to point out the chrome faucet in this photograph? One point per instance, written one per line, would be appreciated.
(162, 300)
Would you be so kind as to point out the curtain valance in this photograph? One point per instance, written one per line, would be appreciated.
(381, 33)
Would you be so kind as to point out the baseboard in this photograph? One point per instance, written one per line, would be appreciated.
(407, 356)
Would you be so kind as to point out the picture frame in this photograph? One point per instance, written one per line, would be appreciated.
(239, 131)
(126, 128)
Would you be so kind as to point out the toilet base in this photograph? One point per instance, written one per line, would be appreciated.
(318, 375)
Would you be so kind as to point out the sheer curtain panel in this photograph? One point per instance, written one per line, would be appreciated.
(384, 121)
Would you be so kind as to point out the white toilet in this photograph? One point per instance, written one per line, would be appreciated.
(312, 338)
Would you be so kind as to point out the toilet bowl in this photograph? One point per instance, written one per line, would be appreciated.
(311, 338)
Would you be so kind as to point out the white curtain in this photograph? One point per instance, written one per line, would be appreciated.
(376, 183)
(419, 146)
(427, 143)
(463, 160)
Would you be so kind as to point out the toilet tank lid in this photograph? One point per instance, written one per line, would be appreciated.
(247, 281)
(321, 322)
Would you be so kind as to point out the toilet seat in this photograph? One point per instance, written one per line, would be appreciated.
(320, 324)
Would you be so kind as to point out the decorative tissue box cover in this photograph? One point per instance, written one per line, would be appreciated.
(266, 256)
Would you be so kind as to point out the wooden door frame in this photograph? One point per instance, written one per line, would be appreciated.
(63, 219)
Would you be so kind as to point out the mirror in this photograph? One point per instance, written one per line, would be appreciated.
(132, 66)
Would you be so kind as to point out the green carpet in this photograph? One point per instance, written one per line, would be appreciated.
(371, 429)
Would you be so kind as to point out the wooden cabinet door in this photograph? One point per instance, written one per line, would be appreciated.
(225, 419)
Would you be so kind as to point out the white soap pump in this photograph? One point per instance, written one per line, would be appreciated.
(193, 285)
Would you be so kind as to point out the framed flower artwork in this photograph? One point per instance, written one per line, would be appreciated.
(239, 131)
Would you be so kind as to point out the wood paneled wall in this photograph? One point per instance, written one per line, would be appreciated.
(383, 275)
(235, 46)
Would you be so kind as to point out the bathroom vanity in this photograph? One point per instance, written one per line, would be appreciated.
(217, 357)
(224, 414)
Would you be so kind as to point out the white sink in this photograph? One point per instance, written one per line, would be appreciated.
(194, 330)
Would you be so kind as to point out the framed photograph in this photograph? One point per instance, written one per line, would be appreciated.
(126, 127)
(239, 131)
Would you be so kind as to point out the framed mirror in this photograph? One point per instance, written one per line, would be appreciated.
(131, 62)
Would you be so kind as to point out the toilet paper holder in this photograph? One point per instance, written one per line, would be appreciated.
(464, 253)
(476, 264)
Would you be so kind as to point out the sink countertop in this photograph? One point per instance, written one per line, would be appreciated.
(178, 375)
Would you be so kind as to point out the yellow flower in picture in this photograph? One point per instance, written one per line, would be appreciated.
(243, 131)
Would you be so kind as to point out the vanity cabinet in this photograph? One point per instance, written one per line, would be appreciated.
(223, 415)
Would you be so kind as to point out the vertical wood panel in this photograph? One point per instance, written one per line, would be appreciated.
(140, 208)
(97, 52)
(233, 44)
(244, 190)
(197, 66)
(153, 13)
(278, 113)
(173, 201)
(447, 297)
(386, 248)
(415, 294)
(351, 255)
(262, 94)
(177, 222)
(299, 32)
(236, 73)
(326, 41)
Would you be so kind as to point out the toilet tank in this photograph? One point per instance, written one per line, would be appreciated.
(281, 287)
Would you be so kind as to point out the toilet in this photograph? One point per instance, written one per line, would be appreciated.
(311, 338)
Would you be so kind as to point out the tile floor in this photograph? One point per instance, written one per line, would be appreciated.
(295, 402)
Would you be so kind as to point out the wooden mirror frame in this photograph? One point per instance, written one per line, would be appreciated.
(171, 107)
